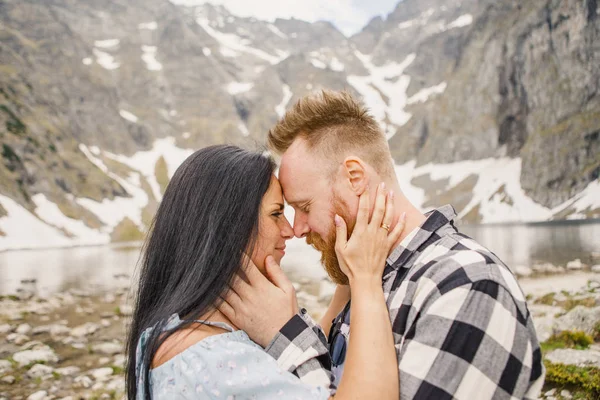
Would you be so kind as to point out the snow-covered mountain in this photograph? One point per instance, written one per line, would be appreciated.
(490, 106)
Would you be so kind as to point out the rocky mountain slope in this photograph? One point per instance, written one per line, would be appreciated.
(492, 106)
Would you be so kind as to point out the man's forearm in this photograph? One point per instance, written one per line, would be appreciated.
(301, 348)
(338, 302)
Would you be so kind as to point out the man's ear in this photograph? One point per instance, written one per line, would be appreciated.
(355, 174)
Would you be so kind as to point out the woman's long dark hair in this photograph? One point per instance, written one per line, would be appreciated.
(207, 219)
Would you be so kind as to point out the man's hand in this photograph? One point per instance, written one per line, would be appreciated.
(261, 306)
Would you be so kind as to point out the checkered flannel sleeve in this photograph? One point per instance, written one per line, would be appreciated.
(470, 340)
(300, 347)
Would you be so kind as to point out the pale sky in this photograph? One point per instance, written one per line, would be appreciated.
(350, 16)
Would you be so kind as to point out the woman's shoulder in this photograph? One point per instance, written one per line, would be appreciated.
(200, 340)
(217, 364)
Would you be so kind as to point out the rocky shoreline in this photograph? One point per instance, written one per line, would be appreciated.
(70, 345)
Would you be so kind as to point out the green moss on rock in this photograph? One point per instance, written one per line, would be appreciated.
(568, 340)
(584, 382)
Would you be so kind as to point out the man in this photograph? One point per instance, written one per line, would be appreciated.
(460, 321)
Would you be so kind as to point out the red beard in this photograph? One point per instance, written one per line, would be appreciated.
(327, 246)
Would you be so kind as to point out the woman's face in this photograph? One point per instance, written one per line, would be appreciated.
(273, 229)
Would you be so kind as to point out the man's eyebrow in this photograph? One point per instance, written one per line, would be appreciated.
(297, 203)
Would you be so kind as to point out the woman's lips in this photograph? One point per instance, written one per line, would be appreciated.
(280, 249)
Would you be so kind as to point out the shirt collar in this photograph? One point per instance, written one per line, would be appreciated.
(435, 222)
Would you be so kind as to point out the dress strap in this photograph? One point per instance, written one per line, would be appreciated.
(221, 325)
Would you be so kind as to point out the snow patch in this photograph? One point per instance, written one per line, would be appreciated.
(145, 161)
(244, 129)
(282, 54)
(493, 174)
(239, 87)
(587, 200)
(152, 26)
(24, 230)
(107, 44)
(227, 52)
(419, 21)
(287, 96)
(276, 31)
(49, 212)
(87, 61)
(95, 150)
(463, 20)
(322, 61)
(149, 57)
(206, 51)
(336, 64)
(423, 95)
(105, 60)
(128, 116)
(318, 64)
(111, 212)
(233, 44)
(384, 91)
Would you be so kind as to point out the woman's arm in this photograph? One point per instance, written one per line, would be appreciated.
(371, 368)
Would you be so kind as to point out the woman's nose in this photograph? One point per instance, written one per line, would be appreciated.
(286, 231)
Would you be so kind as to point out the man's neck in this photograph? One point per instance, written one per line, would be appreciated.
(414, 217)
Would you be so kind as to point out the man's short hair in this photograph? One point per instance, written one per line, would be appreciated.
(333, 124)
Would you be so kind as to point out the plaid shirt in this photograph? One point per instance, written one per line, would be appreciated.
(460, 321)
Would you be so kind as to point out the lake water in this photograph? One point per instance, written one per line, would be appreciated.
(105, 267)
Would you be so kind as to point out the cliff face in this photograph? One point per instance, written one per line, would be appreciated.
(522, 81)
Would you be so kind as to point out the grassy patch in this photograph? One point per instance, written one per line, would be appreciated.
(9, 297)
(570, 304)
(126, 231)
(162, 174)
(597, 332)
(12, 362)
(568, 340)
(9, 154)
(13, 123)
(583, 381)
(547, 299)
(117, 370)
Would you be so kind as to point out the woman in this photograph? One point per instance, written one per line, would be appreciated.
(221, 204)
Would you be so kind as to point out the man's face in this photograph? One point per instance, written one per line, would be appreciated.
(306, 184)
